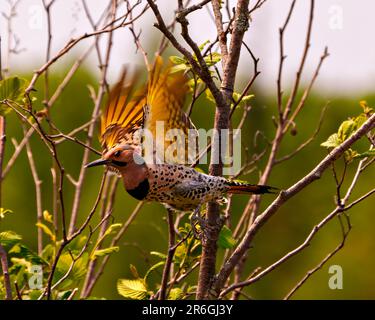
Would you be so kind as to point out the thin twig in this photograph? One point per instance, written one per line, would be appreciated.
(170, 254)
(38, 192)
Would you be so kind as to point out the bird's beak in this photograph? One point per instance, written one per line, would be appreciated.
(98, 162)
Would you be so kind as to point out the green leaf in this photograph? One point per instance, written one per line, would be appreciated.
(104, 252)
(346, 129)
(212, 58)
(177, 60)
(132, 289)
(77, 273)
(112, 229)
(77, 244)
(20, 270)
(244, 100)
(369, 153)
(176, 294)
(209, 96)
(201, 47)
(11, 89)
(46, 230)
(332, 142)
(48, 252)
(226, 241)
(247, 98)
(20, 250)
(21, 262)
(9, 238)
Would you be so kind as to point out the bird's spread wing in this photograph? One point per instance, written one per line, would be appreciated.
(158, 104)
(165, 100)
(123, 115)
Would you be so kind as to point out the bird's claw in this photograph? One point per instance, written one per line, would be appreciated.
(205, 231)
(195, 219)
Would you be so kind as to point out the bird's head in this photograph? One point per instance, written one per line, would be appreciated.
(120, 158)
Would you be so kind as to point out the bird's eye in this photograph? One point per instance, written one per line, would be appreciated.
(117, 153)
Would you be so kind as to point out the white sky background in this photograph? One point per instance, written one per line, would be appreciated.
(345, 26)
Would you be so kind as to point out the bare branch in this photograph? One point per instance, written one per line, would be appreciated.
(170, 254)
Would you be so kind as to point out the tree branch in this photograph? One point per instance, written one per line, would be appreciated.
(284, 196)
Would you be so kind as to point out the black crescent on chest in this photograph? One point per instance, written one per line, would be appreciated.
(140, 192)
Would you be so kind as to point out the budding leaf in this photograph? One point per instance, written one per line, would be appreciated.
(104, 252)
(332, 142)
(9, 238)
(366, 108)
(201, 47)
(47, 216)
(22, 251)
(11, 89)
(346, 129)
(244, 100)
(176, 294)
(112, 229)
(212, 58)
(46, 230)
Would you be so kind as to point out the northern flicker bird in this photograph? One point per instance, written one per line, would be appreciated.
(175, 185)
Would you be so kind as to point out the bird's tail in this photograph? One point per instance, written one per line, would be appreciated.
(238, 187)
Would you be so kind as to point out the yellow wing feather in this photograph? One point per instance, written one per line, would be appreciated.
(165, 100)
(123, 114)
(162, 99)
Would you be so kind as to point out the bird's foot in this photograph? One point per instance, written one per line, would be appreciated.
(211, 231)
(197, 220)
(205, 231)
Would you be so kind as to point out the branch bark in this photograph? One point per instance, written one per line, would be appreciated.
(222, 116)
(4, 266)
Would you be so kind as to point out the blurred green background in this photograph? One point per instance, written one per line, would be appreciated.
(286, 230)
